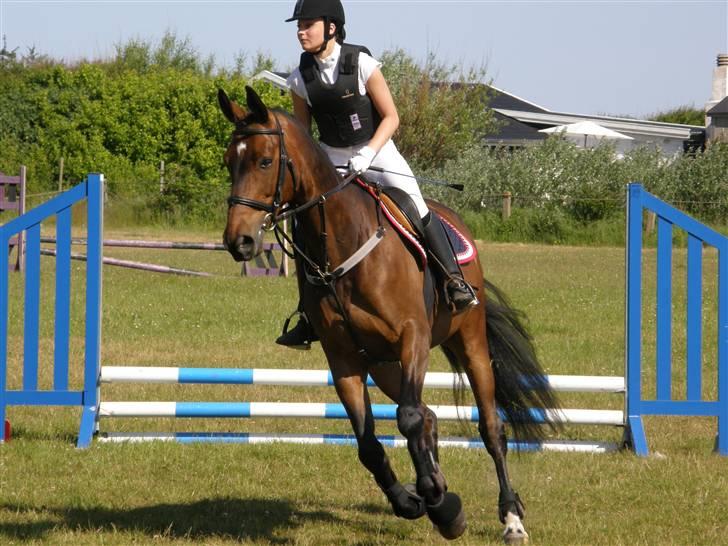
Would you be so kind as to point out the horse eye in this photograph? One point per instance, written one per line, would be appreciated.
(265, 162)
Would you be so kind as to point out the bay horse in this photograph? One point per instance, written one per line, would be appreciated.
(373, 317)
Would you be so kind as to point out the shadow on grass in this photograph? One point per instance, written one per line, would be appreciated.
(239, 519)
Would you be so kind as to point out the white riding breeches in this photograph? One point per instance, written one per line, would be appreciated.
(398, 174)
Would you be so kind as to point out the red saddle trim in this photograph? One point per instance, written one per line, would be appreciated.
(468, 253)
(411, 239)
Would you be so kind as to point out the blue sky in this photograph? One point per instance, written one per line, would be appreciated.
(592, 57)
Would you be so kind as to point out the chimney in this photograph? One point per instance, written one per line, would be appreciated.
(720, 83)
(716, 118)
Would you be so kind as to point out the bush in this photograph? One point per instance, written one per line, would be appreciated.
(122, 118)
(586, 185)
(186, 196)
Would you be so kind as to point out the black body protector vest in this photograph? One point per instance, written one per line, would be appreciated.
(344, 118)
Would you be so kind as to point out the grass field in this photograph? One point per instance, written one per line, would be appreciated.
(52, 493)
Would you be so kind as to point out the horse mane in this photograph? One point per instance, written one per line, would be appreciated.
(313, 152)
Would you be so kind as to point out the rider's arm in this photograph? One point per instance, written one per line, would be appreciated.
(301, 111)
(378, 91)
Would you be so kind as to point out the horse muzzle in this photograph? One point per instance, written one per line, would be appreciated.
(243, 248)
(243, 235)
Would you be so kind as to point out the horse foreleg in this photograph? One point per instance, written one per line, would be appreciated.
(431, 435)
(388, 378)
(444, 508)
(353, 393)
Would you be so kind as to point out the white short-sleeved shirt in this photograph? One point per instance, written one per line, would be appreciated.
(329, 68)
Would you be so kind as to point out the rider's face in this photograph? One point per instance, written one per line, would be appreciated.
(311, 34)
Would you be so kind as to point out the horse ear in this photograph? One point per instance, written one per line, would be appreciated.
(231, 110)
(257, 108)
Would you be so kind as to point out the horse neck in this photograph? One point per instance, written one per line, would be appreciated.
(348, 214)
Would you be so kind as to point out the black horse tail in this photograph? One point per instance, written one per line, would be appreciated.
(521, 390)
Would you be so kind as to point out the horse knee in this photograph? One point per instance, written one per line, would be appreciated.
(431, 420)
(410, 421)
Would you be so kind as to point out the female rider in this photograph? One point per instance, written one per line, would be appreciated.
(342, 88)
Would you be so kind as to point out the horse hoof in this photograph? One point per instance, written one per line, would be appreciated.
(448, 516)
(405, 501)
(455, 529)
(514, 532)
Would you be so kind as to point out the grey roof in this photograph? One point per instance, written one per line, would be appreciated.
(720, 108)
(511, 130)
(507, 101)
(653, 129)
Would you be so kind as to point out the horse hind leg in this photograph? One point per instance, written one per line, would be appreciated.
(492, 432)
(406, 503)
(510, 508)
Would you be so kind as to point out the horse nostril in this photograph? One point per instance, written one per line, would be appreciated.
(245, 247)
(242, 247)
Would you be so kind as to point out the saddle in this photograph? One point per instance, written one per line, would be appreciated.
(402, 213)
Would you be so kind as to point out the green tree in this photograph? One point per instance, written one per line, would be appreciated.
(442, 107)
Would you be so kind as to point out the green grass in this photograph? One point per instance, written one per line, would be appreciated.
(280, 494)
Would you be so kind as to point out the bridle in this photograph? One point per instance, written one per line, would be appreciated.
(244, 131)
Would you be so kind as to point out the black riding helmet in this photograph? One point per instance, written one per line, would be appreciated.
(330, 10)
(313, 9)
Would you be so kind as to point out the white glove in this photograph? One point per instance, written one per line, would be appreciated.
(362, 160)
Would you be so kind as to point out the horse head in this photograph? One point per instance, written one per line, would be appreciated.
(261, 173)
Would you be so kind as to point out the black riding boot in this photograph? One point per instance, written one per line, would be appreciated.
(460, 293)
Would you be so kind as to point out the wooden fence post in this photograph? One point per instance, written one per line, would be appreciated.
(60, 175)
(650, 226)
(506, 205)
(161, 176)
